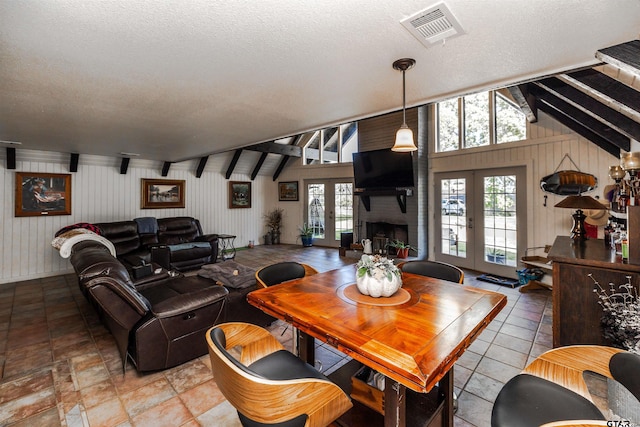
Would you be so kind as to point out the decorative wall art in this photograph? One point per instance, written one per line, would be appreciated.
(39, 194)
(288, 191)
(239, 194)
(162, 193)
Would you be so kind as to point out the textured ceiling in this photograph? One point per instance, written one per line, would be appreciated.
(174, 80)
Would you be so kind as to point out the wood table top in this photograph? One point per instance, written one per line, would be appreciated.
(414, 342)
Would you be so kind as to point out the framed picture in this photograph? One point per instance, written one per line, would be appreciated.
(162, 193)
(288, 191)
(39, 194)
(239, 194)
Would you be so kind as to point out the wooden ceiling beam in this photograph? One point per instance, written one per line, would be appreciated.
(275, 148)
(625, 56)
(234, 162)
(165, 168)
(526, 101)
(124, 165)
(580, 122)
(73, 162)
(607, 90)
(201, 165)
(258, 165)
(11, 158)
(592, 107)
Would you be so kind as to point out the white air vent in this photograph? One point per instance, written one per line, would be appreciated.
(433, 25)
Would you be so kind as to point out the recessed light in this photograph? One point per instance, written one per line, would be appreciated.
(130, 154)
(10, 142)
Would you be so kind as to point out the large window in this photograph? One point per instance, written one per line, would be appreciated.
(476, 120)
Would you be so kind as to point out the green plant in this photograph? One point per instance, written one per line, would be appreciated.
(399, 244)
(273, 219)
(377, 266)
(305, 230)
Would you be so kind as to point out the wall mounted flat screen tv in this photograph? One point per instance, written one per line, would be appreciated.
(382, 169)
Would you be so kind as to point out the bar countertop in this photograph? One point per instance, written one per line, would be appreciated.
(591, 252)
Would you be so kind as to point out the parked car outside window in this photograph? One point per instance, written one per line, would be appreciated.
(453, 207)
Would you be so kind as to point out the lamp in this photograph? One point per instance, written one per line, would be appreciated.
(404, 136)
(578, 232)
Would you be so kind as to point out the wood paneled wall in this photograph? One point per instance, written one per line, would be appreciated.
(100, 194)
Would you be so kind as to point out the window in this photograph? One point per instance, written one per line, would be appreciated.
(331, 145)
(478, 120)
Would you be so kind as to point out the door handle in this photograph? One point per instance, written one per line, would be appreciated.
(470, 223)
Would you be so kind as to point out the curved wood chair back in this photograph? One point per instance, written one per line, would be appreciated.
(565, 366)
(282, 272)
(263, 400)
(436, 269)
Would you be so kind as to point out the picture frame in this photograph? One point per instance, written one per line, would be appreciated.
(239, 194)
(288, 191)
(42, 193)
(162, 193)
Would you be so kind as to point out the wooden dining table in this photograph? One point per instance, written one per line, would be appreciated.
(413, 337)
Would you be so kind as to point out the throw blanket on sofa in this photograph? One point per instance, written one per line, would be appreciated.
(65, 241)
(230, 274)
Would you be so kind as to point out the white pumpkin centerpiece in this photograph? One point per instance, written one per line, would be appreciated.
(377, 276)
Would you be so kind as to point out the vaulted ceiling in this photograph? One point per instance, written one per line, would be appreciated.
(601, 103)
(177, 80)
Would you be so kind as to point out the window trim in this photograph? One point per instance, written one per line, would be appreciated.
(493, 123)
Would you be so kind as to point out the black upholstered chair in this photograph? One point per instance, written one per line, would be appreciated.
(268, 385)
(436, 269)
(552, 389)
(282, 272)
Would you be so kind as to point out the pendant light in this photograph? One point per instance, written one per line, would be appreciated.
(404, 136)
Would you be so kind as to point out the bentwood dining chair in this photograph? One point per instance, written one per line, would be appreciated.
(282, 272)
(552, 391)
(436, 269)
(268, 385)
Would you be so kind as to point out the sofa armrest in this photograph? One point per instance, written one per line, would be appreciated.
(161, 255)
(213, 240)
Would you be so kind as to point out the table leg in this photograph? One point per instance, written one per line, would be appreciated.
(395, 403)
(306, 347)
(446, 387)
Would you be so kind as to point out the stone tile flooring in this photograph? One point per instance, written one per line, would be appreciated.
(60, 367)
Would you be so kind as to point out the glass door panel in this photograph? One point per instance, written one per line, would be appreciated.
(329, 210)
(495, 201)
(453, 243)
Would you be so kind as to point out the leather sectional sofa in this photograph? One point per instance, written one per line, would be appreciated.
(160, 320)
(175, 243)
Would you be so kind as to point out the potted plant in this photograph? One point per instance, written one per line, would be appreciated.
(377, 276)
(402, 249)
(273, 221)
(306, 235)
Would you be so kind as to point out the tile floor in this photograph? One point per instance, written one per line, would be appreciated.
(60, 367)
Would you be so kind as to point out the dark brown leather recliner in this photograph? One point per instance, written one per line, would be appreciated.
(175, 243)
(182, 246)
(158, 322)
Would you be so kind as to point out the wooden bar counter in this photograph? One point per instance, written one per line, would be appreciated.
(576, 312)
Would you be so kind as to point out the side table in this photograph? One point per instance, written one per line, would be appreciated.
(227, 250)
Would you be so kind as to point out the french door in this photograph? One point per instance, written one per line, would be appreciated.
(481, 219)
(329, 209)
